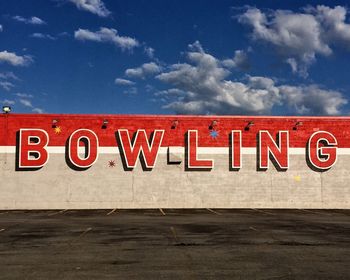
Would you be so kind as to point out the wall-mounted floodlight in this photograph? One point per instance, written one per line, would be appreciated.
(6, 109)
(104, 124)
(297, 124)
(174, 124)
(54, 123)
(213, 125)
(249, 125)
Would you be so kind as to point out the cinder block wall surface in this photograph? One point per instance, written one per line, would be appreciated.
(169, 185)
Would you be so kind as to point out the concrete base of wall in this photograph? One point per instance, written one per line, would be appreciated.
(56, 186)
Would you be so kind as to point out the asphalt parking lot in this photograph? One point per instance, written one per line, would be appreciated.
(175, 244)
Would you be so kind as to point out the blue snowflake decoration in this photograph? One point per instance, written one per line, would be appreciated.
(214, 134)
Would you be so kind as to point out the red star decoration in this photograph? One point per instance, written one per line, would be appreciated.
(111, 163)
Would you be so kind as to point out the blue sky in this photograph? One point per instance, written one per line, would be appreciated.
(175, 57)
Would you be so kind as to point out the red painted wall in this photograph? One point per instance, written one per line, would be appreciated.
(338, 126)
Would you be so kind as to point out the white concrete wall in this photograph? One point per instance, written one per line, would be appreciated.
(56, 186)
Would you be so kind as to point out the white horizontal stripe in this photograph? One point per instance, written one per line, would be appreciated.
(174, 150)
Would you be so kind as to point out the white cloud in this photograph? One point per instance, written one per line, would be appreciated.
(6, 85)
(4, 80)
(7, 102)
(63, 34)
(335, 30)
(38, 110)
(149, 51)
(202, 87)
(240, 61)
(170, 92)
(146, 69)
(96, 7)
(300, 37)
(131, 91)
(8, 75)
(313, 100)
(149, 88)
(106, 35)
(207, 92)
(123, 82)
(26, 103)
(42, 36)
(24, 95)
(31, 20)
(15, 60)
(1, 28)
